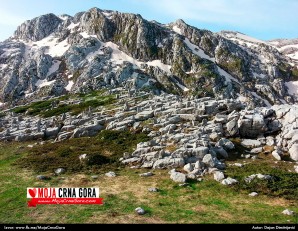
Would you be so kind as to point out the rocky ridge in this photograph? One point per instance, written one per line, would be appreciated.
(98, 49)
(195, 135)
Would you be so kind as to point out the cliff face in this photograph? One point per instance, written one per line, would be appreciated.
(51, 55)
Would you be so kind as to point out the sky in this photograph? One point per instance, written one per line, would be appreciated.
(262, 19)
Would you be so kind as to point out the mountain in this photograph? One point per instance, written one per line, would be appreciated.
(288, 47)
(166, 97)
(54, 55)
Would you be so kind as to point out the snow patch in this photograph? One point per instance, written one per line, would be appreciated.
(118, 57)
(86, 35)
(63, 17)
(185, 89)
(59, 49)
(289, 46)
(293, 56)
(228, 77)
(198, 51)
(158, 63)
(73, 25)
(28, 94)
(177, 30)
(108, 15)
(69, 85)
(239, 36)
(43, 83)
(54, 48)
(7, 52)
(292, 87)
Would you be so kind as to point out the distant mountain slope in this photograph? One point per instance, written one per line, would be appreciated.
(54, 55)
(288, 47)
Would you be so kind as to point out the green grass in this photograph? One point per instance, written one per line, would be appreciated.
(103, 151)
(78, 108)
(283, 183)
(34, 108)
(44, 108)
(201, 202)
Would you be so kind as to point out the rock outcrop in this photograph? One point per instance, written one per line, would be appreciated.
(96, 49)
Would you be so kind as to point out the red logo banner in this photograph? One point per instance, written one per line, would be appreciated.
(66, 201)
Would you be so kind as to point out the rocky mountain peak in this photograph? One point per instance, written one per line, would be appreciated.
(180, 23)
(37, 28)
(53, 55)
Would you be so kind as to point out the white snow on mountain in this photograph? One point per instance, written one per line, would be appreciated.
(69, 85)
(198, 51)
(242, 98)
(162, 66)
(119, 57)
(72, 26)
(242, 39)
(185, 89)
(228, 77)
(108, 14)
(53, 47)
(288, 47)
(64, 17)
(86, 35)
(177, 30)
(43, 83)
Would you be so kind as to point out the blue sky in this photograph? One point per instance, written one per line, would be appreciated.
(263, 19)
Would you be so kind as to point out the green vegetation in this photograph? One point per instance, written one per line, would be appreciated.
(208, 45)
(154, 51)
(231, 62)
(75, 109)
(44, 108)
(103, 151)
(295, 73)
(283, 184)
(201, 202)
(284, 69)
(34, 108)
